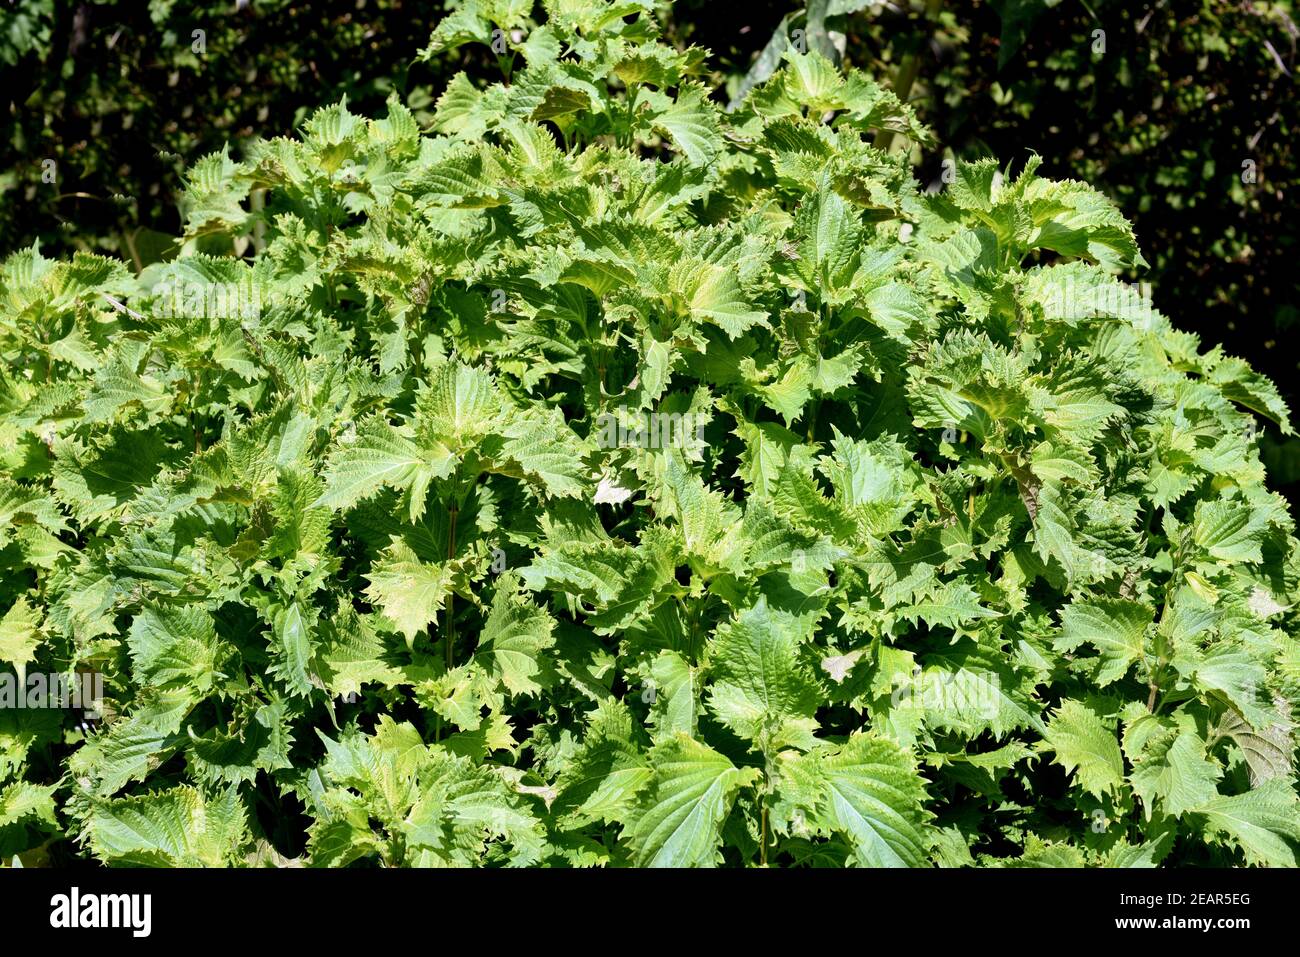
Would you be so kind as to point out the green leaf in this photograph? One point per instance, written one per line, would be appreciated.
(1269, 751)
(293, 628)
(408, 591)
(1229, 531)
(175, 648)
(1174, 771)
(459, 407)
(382, 457)
(515, 639)
(1263, 823)
(679, 821)
(1085, 746)
(22, 802)
(761, 690)
(20, 636)
(869, 790)
(176, 828)
(1116, 628)
(712, 293)
(608, 771)
(692, 123)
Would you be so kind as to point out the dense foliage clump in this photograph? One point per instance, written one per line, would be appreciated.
(108, 101)
(602, 478)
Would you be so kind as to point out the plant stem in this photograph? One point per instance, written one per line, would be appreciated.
(813, 409)
(690, 642)
(452, 512)
(449, 609)
(908, 70)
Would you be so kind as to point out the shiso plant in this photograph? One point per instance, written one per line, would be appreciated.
(604, 478)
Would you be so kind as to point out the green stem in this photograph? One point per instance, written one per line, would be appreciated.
(695, 623)
(908, 70)
(813, 408)
(452, 511)
(629, 136)
(449, 609)
(1156, 670)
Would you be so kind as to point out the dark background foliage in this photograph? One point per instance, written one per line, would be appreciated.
(1169, 111)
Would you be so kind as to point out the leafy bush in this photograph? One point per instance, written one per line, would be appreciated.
(1160, 117)
(1185, 114)
(606, 479)
(110, 101)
